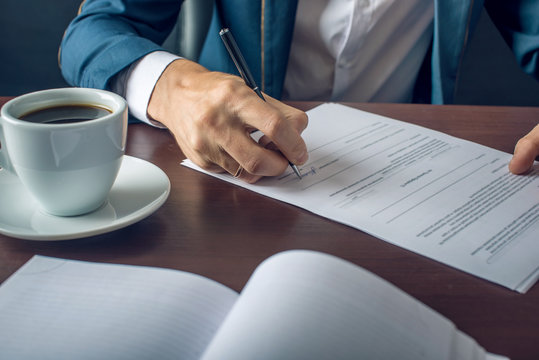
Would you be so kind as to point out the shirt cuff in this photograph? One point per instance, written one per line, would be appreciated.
(140, 82)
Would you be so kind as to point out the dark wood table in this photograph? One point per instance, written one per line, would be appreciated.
(223, 232)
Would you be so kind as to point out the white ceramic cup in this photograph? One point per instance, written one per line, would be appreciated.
(69, 168)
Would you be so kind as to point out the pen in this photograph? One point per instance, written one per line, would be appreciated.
(243, 69)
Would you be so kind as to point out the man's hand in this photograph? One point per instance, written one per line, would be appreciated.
(526, 150)
(211, 115)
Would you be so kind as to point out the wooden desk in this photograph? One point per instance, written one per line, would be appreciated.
(223, 232)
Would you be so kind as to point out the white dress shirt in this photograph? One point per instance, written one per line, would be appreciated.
(358, 50)
(342, 50)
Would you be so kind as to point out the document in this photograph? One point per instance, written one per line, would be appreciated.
(296, 305)
(449, 199)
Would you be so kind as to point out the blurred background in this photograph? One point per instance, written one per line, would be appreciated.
(31, 31)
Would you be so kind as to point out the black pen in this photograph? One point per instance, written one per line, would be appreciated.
(243, 69)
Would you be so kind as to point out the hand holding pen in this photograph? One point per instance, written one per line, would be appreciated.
(211, 115)
(245, 73)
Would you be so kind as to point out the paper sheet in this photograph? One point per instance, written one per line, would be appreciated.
(314, 306)
(64, 309)
(442, 197)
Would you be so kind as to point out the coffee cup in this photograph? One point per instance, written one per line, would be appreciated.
(65, 146)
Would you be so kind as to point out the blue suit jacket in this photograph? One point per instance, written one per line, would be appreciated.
(109, 35)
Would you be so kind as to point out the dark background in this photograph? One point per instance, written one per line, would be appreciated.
(31, 31)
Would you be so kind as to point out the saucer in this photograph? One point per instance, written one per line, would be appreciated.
(139, 190)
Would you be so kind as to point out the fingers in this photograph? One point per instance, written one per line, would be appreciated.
(282, 124)
(526, 150)
(254, 158)
(207, 153)
(231, 165)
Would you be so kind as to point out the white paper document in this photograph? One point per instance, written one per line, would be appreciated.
(442, 197)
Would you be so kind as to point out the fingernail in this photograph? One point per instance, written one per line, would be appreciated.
(303, 157)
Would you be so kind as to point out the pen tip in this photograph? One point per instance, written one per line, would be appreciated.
(296, 170)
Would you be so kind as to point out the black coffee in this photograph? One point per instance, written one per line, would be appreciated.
(66, 114)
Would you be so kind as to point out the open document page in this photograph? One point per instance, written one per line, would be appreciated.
(307, 305)
(65, 309)
(446, 198)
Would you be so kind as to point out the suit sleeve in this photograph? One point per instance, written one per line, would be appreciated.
(518, 22)
(109, 35)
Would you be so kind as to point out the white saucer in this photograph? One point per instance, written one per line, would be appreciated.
(139, 190)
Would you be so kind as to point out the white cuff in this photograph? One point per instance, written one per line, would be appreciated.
(141, 80)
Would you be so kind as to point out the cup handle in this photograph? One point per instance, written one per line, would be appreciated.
(5, 163)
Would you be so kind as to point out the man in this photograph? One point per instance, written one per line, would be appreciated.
(358, 50)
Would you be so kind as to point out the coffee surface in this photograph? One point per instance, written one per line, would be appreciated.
(66, 114)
